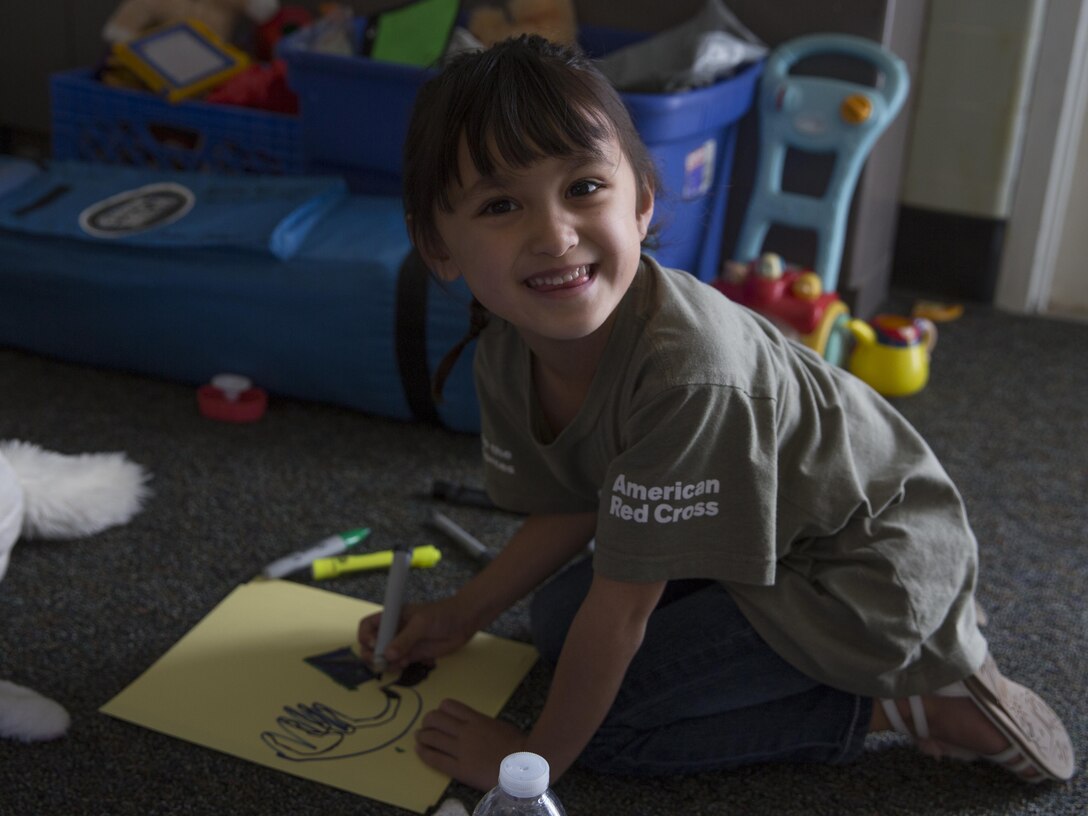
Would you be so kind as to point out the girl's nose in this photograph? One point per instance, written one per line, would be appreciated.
(553, 235)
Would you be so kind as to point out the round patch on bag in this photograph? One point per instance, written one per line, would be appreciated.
(139, 210)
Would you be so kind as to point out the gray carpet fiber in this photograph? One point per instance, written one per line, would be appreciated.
(79, 620)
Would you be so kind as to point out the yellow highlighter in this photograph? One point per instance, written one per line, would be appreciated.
(321, 568)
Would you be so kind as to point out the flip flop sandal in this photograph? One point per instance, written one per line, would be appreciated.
(1037, 739)
(1029, 724)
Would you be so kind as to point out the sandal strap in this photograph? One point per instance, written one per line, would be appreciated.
(957, 689)
(917, 714)
(1005, 757)
(891, 711)
(1001, 758)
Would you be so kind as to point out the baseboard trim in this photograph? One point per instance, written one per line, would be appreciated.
(947, 254)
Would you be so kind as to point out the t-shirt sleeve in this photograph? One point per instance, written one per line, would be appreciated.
(693, 494)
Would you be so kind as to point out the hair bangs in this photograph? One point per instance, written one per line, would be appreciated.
(527, 125)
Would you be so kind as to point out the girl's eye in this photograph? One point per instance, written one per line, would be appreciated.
(499, 206)
(584, 187)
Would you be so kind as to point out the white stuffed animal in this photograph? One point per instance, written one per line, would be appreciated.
(51, 495)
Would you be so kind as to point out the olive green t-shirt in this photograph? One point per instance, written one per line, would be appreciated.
(710, 446)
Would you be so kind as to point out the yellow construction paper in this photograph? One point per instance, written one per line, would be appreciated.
(239, 682)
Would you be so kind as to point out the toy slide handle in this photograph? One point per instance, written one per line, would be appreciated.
(896, 76)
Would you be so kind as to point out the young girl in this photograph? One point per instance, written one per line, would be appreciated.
(781, 565)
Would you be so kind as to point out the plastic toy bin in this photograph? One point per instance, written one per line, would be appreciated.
(98, 123)
(355, 115)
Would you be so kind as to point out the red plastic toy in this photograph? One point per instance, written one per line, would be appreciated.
(793, 298)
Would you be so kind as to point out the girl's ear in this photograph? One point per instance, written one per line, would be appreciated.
(434, 253)
(645, 212)
(437, 258)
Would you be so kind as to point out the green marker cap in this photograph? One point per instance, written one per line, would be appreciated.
(353, 537)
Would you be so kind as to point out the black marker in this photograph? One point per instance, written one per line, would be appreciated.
(461, 494)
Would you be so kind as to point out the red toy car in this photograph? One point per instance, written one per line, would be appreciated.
(793, 298)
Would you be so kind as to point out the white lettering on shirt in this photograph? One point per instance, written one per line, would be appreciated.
(499, 458)
(664, 504)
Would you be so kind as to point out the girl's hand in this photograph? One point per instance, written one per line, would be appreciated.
(541, 546)
(426, 631)
(461, 742)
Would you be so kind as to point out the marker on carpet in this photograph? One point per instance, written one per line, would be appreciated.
(461, 494)
(469, 543)
(333, 545)
(322, 568)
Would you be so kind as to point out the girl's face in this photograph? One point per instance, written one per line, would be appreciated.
(551, 247)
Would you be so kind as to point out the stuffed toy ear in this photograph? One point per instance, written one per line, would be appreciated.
(74, 496)
(26, 715)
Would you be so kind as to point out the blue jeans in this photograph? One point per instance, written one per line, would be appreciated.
(704, 691)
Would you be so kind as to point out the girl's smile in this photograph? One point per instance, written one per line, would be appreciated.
(560, 280)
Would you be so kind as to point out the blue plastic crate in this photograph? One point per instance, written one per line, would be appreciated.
(94, 122)
(354, 110)
(355, 114)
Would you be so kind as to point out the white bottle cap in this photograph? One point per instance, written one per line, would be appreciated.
(524, 775)
(232, 385)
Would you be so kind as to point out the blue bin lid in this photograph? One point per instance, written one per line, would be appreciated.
(666, 117)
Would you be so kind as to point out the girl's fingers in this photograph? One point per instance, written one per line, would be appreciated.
(438, 733)
(442, 761)
(402, 647)
(457, 711)
(448, 718)
(370, 622)
(367, 633)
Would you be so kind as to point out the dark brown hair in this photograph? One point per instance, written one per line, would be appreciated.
(527, 99)
(519, 101)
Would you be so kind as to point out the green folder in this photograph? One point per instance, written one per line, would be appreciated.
(415, 34)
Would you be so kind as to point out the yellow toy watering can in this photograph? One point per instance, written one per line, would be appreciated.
(892, 354)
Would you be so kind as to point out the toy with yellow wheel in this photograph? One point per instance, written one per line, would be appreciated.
(795, 300)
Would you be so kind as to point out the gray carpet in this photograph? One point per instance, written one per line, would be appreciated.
(79, 620)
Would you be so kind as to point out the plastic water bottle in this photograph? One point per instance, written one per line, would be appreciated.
(522, 790)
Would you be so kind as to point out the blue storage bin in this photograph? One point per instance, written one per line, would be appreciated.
(98, 123)
(355, 115)
(692, 136)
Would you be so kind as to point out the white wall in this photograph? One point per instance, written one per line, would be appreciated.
(1042, 228)
(1069, 287)
(970, 115)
